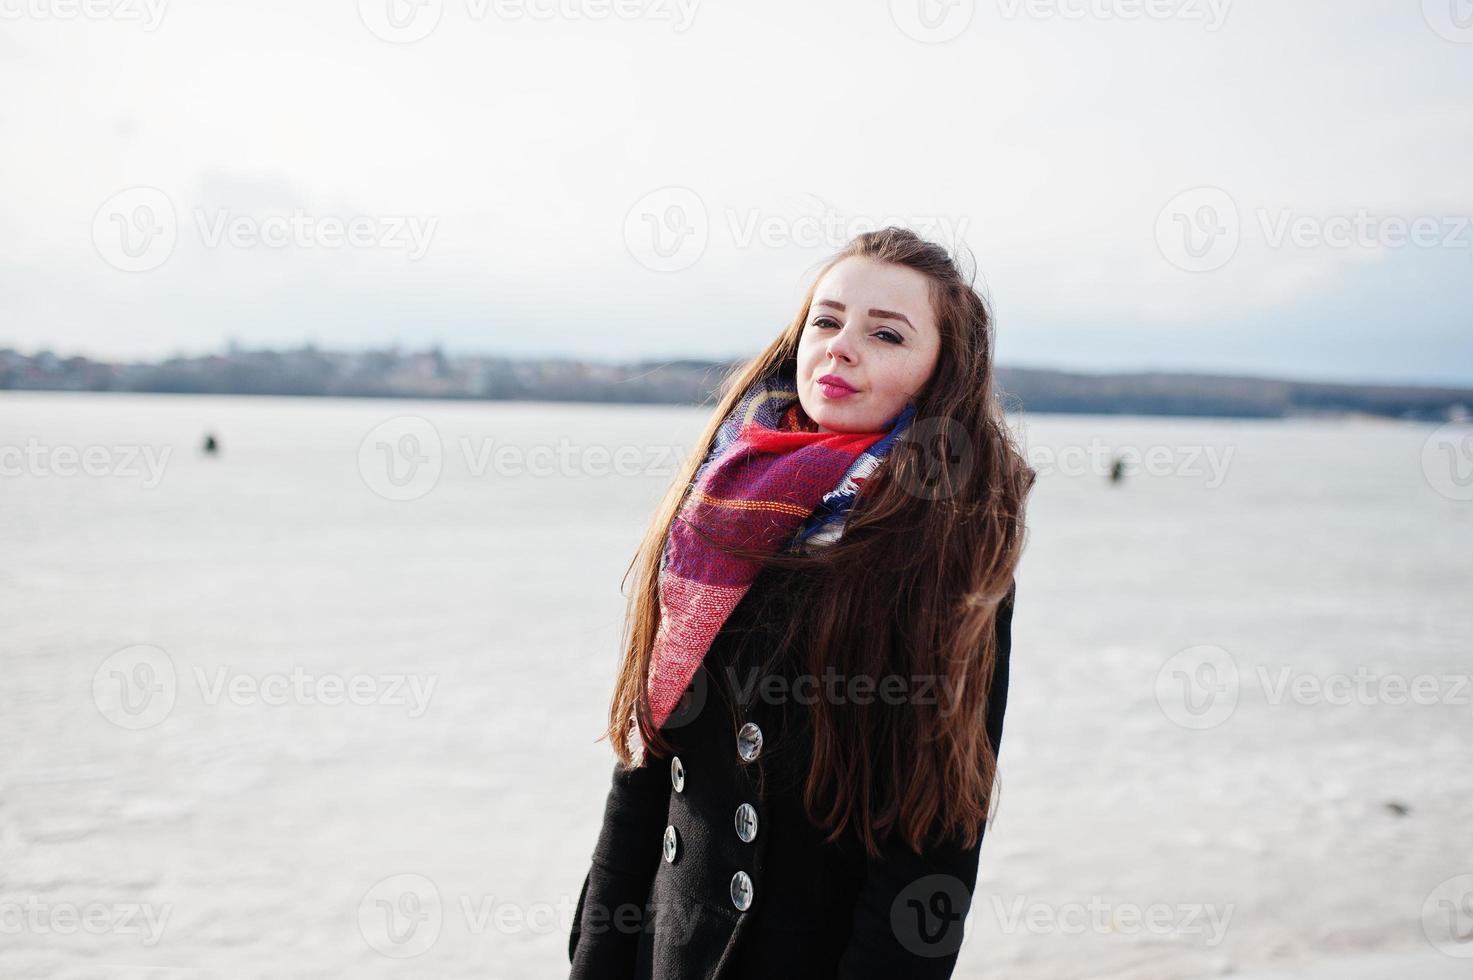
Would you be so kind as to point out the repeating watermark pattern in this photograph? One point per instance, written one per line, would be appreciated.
(1201, 687)
(932, 21)
(147, 14)
(32, 916)
(401, 916)
(935, 459)
(404, 915)
(412, 692)
(1204, 922)
(137, 230)
(928, 916)
(838, 688)
(568, 460)
(1447, 460)
(830, 228)
(1447, 916)
(677, 919)
(1211, 14)
(406, 233)
(1362, 686)
(137, 687)
(669, 228)
(408, 21)
(1198, 687)
(1452, 20)
(121, 462)
(403, 458)
(1159, 460)
(939, 21)
(1200, 230)
(1363, 229)
(401, 21)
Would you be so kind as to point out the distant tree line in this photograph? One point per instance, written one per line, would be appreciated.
(309, 371)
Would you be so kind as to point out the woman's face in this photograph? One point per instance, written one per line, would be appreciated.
(871, 326)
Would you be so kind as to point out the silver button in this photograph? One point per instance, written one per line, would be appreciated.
(749, 742)
(746, 822)
(741, 891)
(677, 774)
(672, 844)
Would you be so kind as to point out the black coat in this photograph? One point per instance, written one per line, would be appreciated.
(813, 910)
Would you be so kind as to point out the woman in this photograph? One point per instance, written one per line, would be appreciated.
(815, 672)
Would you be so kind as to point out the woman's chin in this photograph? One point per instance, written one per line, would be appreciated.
(831, 421)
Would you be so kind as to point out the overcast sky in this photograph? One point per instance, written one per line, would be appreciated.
(1257, 186)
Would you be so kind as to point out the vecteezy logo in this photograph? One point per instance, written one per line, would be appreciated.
(692, 700)
(135, 230)
(932, 447)
(401, 916)
(1451, 19)
(1447, 460)
(932, 21)
(1199, 230)
(667, 229)
(927, 916)
(1447, 916)
(1198, 687)
(135, 687)
(401, 459)
(401, 21)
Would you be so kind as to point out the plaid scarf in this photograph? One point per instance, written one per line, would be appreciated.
(771, 479)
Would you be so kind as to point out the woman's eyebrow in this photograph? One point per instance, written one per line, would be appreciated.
(877, 313)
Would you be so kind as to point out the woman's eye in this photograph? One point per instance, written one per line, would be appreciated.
(889, 336)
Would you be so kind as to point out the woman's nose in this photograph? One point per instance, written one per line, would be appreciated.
(839, 346)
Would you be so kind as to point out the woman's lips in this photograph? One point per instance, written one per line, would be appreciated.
(834, 387)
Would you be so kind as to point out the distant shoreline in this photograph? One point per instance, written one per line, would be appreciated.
(315, 373)
(1012, 408)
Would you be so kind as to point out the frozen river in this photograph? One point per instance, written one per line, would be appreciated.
(324, 704)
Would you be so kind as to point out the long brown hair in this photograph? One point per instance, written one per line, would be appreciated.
(911, 588)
